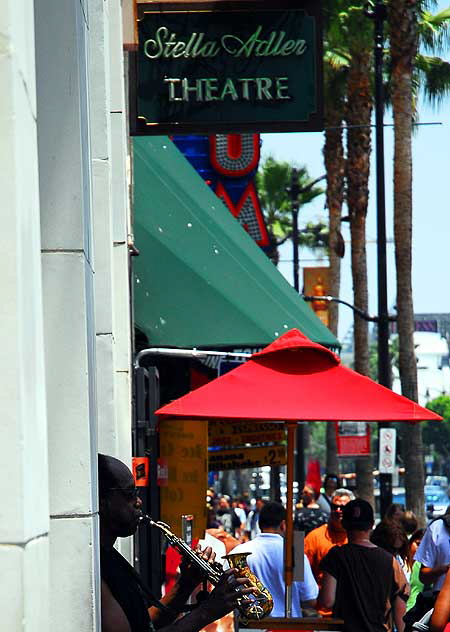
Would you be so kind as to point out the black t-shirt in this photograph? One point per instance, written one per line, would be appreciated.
(228, 519)
(368, 581)
(127, 589)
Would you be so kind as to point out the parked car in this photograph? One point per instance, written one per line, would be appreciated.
(436, 501)
(437, 481)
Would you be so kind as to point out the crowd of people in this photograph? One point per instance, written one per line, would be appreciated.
(239, 517)
(368, 577)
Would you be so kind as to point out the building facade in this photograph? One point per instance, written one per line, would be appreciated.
(65, 336)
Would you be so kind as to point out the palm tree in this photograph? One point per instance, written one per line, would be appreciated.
(359, 105)
(336, 64)
(408, 22)
(349, 97)
(272, 182)
(358, 117)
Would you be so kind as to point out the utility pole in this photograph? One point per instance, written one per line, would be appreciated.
(294, 192)
(378, 14)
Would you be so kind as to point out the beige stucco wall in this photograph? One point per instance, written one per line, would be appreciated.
(65, 313)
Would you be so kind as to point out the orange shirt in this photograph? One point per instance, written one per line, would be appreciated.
(317, 544)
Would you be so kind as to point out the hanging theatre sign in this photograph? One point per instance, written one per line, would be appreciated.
(222, 66)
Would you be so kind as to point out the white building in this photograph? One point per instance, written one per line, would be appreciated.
(433, 370)
(65, 335)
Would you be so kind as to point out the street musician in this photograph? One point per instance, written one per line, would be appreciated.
(126, 603)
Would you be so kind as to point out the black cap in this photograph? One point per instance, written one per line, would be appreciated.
(357, 514)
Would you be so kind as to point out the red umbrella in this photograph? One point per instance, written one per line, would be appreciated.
(295, 379)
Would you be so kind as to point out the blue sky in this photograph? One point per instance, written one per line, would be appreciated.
(431, 211)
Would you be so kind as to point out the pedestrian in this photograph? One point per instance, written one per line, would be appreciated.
(441, 612)
(330, 484)
(267, 562)
(211, 498)
(126, 603)
(211, 520)
(226, 516)
(391, 536)
(409, 522)
(242, 516)
(310, 515)
(319, 541)
(413, 567)
(395, 512)
(252, 527)
(362, 583)
(433, 553)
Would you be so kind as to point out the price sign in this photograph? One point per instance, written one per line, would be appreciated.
(243, 458)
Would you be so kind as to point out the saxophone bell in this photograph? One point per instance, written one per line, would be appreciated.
(256, 605)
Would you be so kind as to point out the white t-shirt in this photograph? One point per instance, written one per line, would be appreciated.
(241, 514)
(434, 550)
(267, 562)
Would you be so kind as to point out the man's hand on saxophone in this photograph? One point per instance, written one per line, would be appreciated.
(190, 573)
(227, 594)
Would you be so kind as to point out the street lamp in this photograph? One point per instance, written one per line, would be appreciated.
(357, 310)
(378, 15)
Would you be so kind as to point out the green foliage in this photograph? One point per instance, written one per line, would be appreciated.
(433, 74)
(434, 30)
(272, 182)
(349, 32)
(314, 236)
(437, 433)
(317, 441)
(441, 406)
(373, 357)
(355, 26)
(373, 362)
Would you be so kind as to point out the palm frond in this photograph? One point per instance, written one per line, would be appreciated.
(434, 78)
(337, 59)
(434, 30)
(272, 181)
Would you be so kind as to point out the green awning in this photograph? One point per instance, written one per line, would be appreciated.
(200, 280)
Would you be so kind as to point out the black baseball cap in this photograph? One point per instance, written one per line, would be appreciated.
(357, 514)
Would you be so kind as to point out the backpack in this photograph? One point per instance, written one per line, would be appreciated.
(421, 609)
(423, 625)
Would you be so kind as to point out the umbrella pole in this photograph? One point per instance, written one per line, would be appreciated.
(288, 542)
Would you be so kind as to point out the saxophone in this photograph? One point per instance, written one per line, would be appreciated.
(251, 607)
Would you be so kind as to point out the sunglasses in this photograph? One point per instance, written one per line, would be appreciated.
(131, 493)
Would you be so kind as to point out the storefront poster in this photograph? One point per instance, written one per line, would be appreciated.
(184, 449)
(316, 282)
(238, 433)
(244, 458)
(352, 438)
